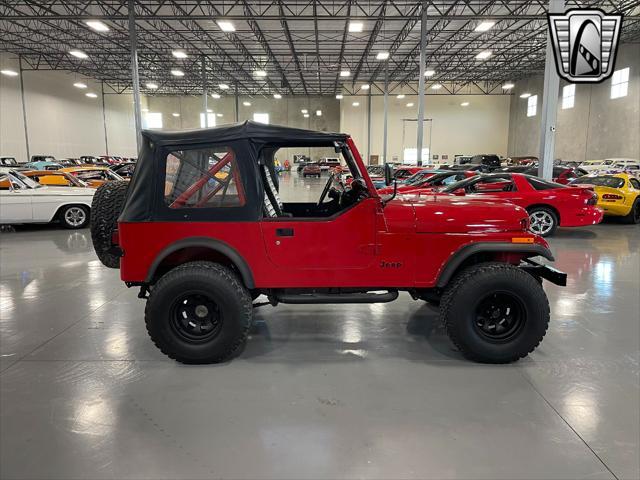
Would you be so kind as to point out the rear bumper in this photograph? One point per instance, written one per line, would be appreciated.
(546, 272)
(590, 215)
(615, 209)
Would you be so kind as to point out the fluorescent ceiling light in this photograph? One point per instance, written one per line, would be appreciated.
(345, 73)
(175, 114)
(97, 25)
(91, 95)
(365, 86)
(410, 104)
(429, 73)
(78, 54)
(484, 55)
(223, 86)
(525, 95)
(246, 104)
(215, 95)
(382, 55)
(151, 86)
(226, 26)
(508, 86)
(9, 73)
(339, 96)
(356, 27)
(218, 114)
(464, 104)
(304, 110)
(436, 86)
(177, 73)
(400, 97)
(80, 85)
(277, 96)
(318, 113)
(209, 110)
(260, 73)
(356, 104)
(145, 110)
(484, 26)
(179, 54)
(306, 115)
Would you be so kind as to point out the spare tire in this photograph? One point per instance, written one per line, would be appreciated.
(106, 207)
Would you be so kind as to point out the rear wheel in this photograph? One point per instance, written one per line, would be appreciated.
(495, 313)
(543, 221)
(633, 216)
(74, 216)
(199, 312)
(106, 207)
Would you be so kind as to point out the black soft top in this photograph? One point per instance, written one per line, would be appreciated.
(254, 145)
(257, 133)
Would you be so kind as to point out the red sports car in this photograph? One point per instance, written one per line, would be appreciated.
(429, 183)
(550, 205)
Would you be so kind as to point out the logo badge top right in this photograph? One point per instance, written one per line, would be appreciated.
(585, 43)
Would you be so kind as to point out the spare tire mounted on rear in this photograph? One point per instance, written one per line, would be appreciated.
(106, 207)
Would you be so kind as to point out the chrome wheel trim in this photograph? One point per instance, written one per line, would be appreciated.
(541, 222)
(75, 216)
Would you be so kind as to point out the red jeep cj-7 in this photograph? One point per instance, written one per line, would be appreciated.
(201, 229)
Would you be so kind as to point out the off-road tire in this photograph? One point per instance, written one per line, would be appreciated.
(633, 216)
(106, 207)
(466, 292)
(224, 287)
(553, 215)
(70, 209)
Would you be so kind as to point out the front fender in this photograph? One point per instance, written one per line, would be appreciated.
(466, 252)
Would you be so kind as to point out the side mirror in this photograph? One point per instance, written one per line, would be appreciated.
(388, 174)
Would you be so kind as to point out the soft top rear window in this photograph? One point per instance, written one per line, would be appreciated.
(601, 181)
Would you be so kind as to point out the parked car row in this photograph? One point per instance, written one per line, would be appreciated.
(63, 194)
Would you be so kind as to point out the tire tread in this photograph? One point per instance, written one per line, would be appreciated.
(447, 300)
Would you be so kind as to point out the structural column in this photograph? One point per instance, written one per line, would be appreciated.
(133, 39)
(368, 127)
(386, 110)
(421, 82)
(549, 111)
(204, 93)
(24, 110)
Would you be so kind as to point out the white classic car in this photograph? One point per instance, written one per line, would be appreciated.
(596, 166)
(23, 200)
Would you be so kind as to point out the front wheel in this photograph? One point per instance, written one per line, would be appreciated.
(199, 312)
(543, 221)
(495, 313)
(74, 216)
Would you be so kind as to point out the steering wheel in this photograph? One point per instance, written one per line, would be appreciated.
(327, 188)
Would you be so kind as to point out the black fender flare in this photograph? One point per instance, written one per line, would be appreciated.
(465, 252)
(212, 244)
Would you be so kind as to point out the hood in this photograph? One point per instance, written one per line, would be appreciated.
(66, 191)
(452, 214)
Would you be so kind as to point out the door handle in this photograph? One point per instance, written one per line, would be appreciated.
(284, 232)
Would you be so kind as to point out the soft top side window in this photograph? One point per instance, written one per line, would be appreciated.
(203, 178)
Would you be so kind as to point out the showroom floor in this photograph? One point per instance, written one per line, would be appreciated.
(362, 391)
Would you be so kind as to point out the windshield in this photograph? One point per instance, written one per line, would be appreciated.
(26, 180)
(603, 181)
(376, 170)
(8, 161)
(461, 184)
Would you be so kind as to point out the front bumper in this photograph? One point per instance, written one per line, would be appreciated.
(545, 271)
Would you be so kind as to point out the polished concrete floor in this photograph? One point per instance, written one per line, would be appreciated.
(319, 391)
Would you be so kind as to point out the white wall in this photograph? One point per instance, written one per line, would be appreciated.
(481, 127)
(596, 127)
(12, 141)
(63, 122)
